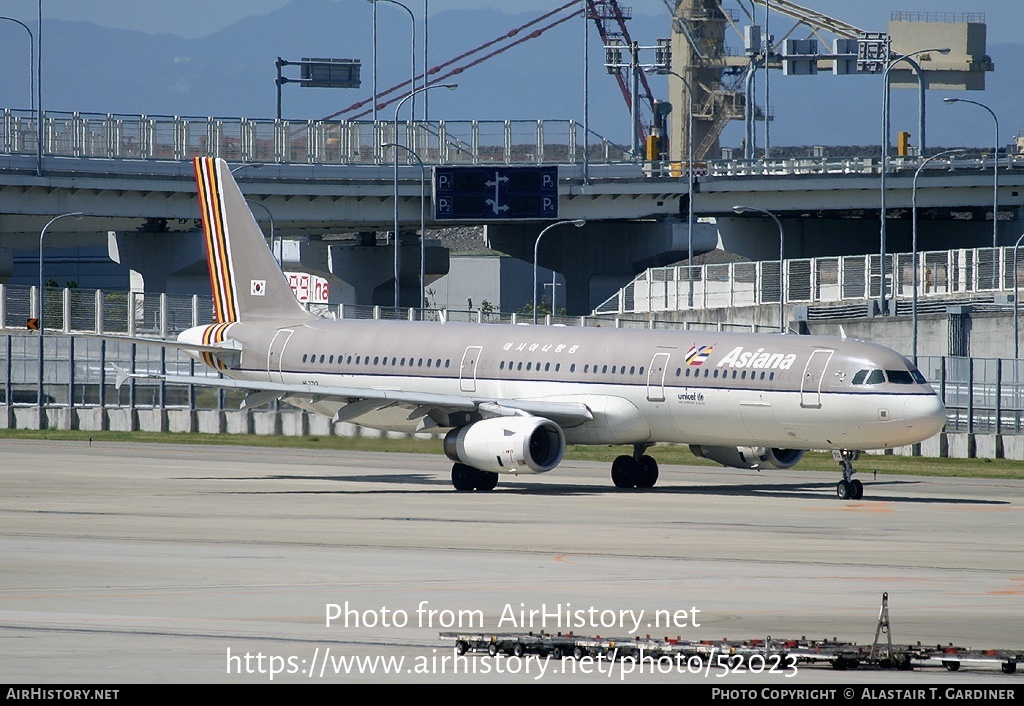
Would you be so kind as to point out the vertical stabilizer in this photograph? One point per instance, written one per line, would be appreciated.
(245, 280)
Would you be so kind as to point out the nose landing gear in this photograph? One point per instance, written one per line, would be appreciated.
(848, 488)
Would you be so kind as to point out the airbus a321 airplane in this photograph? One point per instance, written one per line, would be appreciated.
(512, 396)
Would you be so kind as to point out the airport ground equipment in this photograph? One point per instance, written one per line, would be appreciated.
(740, 656)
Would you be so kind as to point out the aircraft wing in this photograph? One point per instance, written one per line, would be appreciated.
(357, 401)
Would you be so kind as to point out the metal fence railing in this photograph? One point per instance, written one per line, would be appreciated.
(163, 137)
(851, 278)
(982, 395)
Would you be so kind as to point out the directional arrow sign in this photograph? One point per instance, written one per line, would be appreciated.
(495, 193)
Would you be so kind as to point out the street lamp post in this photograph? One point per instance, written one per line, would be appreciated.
(426, 60)
(995, 175)
(423, 220)
(913, 239)
(39, 89)
(259, 165)
(273, 249)
(412, 55)
(689, 179)
(42, 237)
(1016, 322)
(398, 256)
(579, 223)
(31, 61)
(782, 267)
(883, 307)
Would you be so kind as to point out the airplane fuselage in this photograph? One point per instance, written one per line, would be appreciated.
(641, 386)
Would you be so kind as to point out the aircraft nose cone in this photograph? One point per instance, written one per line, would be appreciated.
(927, 414)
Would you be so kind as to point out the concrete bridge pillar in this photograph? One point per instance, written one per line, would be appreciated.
(368, 269)
(172, 262)
(603, 256)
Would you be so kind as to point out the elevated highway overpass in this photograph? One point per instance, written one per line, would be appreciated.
(132, 175)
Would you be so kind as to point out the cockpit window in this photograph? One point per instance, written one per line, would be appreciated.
(900, 377)
(918, 377)
(858, 379)
(876, 377)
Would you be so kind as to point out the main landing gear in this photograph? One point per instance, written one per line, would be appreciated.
(468, 478)
(848, 488)
(636, 471)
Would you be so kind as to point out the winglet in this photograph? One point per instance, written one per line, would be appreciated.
(122, 375)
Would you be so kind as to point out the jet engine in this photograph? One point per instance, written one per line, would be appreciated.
(507, 445)
(749, 456)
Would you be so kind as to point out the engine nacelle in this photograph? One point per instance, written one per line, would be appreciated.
(749, 456)
(507, 445)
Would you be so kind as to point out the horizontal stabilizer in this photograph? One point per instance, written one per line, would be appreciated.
(228, 352)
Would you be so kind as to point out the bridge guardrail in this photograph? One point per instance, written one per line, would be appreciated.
(161, 137)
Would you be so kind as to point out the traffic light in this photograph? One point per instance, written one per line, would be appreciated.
(663, 54)
(613, 55)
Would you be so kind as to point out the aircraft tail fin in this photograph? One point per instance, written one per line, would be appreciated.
(245, 279)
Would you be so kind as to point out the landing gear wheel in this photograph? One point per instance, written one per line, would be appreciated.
(844, 490)
(625, 472)
(463, 477)
(648, 474)
(486, 481)
(856, 489)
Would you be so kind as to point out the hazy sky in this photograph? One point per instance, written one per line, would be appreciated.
(807, 110)
(196, 18)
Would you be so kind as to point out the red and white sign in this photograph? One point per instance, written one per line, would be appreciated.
(309, 289)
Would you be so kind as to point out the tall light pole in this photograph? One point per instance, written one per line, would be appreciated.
(31, 62)
(277, 256)
(42, 237)
(1016, 323)
(398, 256)
(782, 264)
(39, 90)
(689, 179)
(995, 175)
(374, 55)
(412, 54)
(423, 220)
(913, 238)
(579, 223)
(767, 76)
(882, 303)
(586, 93)
(426, 61)
(259, 165)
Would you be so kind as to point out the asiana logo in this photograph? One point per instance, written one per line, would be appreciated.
(739, 358)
